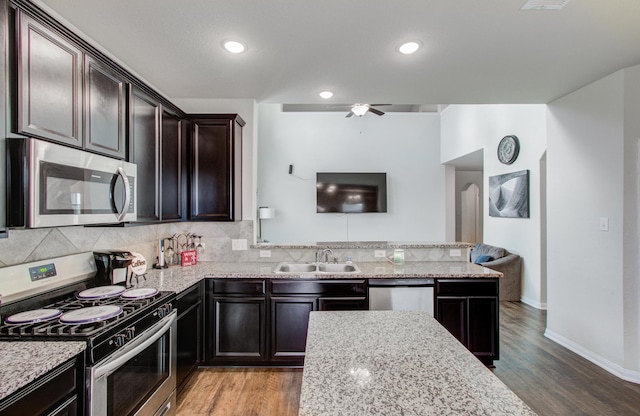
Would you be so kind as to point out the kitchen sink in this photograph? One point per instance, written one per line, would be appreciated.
(316, 268)
(337, 268)
(296, 268)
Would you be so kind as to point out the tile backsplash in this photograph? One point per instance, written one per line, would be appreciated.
(25, 246)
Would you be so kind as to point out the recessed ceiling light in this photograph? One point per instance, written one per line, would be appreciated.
(409, 47)
(234, 46)
(326, 94)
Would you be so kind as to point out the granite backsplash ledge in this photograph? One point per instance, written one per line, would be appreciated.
(32, 245)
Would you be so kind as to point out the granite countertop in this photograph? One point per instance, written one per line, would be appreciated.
(43, 356)
(395, 363)
(364, 244)
(177, 279)
(24, 361)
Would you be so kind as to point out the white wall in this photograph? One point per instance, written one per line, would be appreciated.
(592, 166)
(406, 146)
(247, 110)
(468, 128)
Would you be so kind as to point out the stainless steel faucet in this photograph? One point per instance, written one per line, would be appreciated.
(326, 254)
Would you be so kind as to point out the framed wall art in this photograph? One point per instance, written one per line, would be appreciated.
(509, 195)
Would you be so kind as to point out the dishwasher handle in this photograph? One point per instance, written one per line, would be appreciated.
(401, 282)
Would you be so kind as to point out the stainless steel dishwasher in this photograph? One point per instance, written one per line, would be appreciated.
(401, 295)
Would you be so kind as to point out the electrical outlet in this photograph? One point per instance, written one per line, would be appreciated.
(380, 253)
(265, 253)
(455, 252)
(239, 244)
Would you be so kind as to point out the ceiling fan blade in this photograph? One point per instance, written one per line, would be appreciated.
(376, 111)
(349, 114)
(378, 105)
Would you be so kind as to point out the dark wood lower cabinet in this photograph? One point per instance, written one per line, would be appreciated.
(468, 308)
(259, 322)
(189, 345)
(240, 329)
(289, 322)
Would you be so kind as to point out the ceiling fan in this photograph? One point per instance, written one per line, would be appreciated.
(362, 109)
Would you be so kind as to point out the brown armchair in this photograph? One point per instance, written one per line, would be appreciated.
(509, 264)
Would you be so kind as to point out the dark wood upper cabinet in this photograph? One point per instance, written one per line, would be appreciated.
(104, 109)
(144, 118)
(171, 168)
(49, 83)
(216, 167)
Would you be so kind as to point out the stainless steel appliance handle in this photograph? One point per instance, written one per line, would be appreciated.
(127, 193)
(150, 336)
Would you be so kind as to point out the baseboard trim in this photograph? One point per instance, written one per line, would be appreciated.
(600, 361)
(534, 303)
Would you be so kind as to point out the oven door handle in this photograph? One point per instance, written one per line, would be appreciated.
(134, 348)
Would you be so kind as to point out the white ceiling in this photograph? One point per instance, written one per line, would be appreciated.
(475, 51)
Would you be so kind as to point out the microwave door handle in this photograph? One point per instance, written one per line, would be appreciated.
(127, 194)
(136, 347)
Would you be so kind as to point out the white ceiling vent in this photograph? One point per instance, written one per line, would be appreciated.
(545, 4)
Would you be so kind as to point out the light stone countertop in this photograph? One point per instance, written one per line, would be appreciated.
(24, 361)
(395, 363)
(363, 244)
(177, 278)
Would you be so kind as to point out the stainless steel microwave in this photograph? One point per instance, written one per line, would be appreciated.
(50, 185)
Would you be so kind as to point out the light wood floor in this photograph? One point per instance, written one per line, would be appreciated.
(241, 392)
(550, 379)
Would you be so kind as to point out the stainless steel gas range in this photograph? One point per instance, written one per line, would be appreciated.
(130, 334)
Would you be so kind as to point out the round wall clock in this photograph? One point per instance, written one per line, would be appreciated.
(508, 149)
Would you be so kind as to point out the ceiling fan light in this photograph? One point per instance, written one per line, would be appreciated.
(234, 46)
(326, 94)
(359, 109)
(409, 47)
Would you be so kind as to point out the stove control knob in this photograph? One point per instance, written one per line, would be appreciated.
(162, 312)
(119, 340)
(129, 333)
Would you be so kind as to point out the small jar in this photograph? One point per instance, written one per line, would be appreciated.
(398, 256)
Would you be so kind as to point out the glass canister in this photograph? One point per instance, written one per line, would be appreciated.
(398, 256)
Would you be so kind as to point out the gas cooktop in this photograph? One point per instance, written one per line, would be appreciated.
(106, 317)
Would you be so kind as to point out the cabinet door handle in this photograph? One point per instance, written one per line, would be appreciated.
(127, 194)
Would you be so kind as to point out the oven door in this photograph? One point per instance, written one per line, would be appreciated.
(140, 378)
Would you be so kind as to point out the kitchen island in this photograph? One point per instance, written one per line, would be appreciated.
(395, 363)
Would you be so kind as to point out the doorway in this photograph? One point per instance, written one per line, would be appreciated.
(470, 218)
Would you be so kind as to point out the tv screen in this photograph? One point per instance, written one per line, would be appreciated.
(351, 192)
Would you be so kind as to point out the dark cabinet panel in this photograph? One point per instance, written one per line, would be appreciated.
(483, 330)
(171, 167)
(189, 344)
(346, 303)
(143, 143)
(105, 112)
(49, 83)
(216, 168)
(468, 308)
(239, 329)
(289, 322)
(452, 314)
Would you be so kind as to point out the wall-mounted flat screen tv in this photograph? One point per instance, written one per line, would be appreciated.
(351, 192)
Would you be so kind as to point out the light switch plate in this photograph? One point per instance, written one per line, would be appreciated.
(604, 224)
(380, 253)
(239, 244)
(455, 252)
(265, 253)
